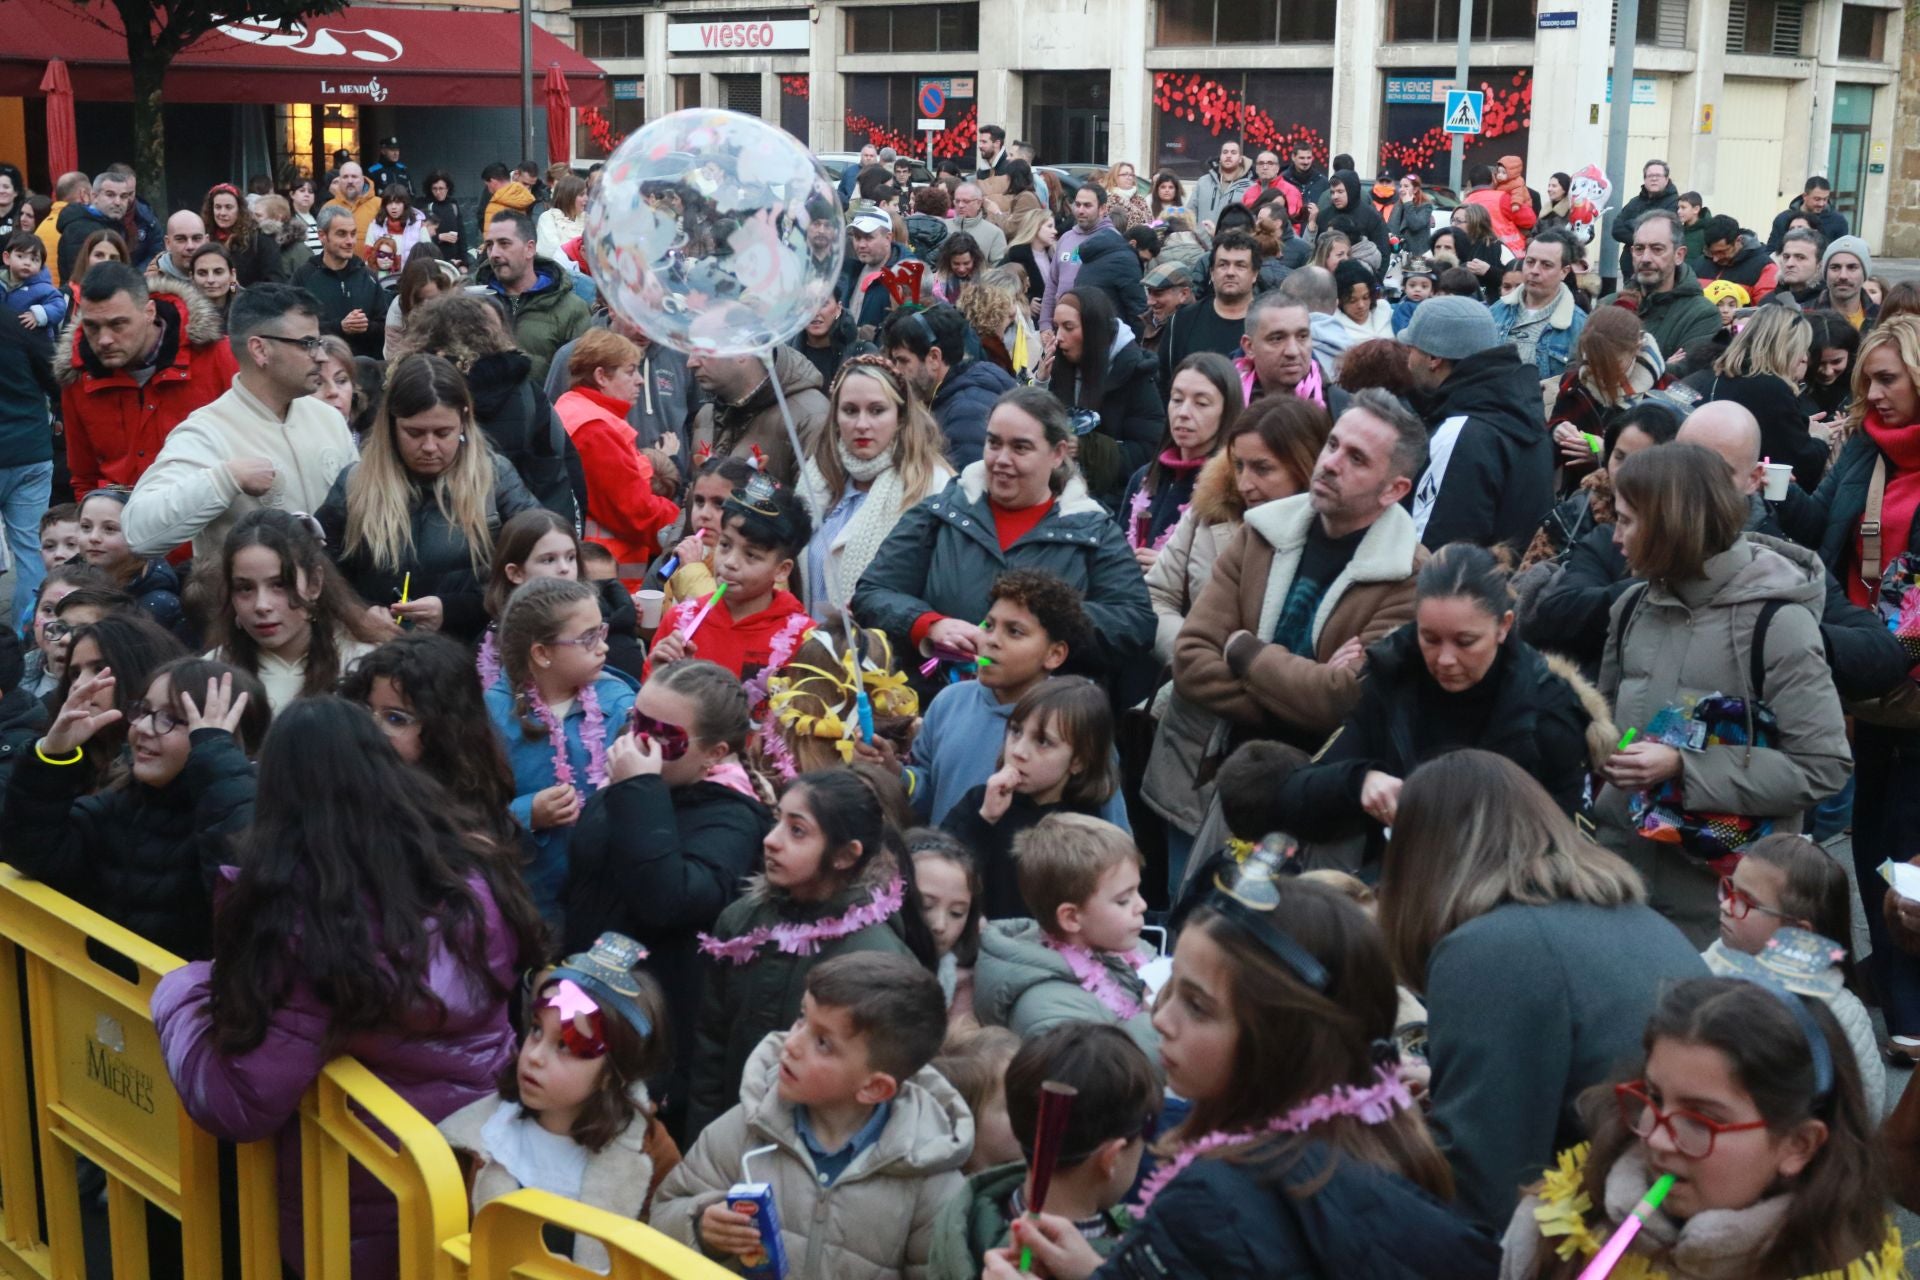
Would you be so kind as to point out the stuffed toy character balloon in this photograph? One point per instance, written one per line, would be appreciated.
(1590, 192)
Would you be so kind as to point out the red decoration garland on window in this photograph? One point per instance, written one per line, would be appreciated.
(956, 143)
(1508, 110)
(600, 129)
(800, 86)
(1221, 109)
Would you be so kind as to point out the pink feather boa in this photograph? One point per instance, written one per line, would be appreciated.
(1097, 979)
(806, 939)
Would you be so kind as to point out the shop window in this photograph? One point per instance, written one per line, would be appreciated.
(913, 28)
(610, 37)
(1863, 32)
(741, 93)
(1267, 110)
(686, 92)
(1416, 21)
(1773, 27)
(880, 109)
(795, 94)
(1243, 22)
(597, 132)
(295, 126)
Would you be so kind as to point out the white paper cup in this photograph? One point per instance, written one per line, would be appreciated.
(1779, 476)
(652, 605)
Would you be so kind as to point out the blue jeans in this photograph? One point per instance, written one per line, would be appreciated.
(24, 495)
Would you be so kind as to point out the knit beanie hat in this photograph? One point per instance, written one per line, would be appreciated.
(1848, 244)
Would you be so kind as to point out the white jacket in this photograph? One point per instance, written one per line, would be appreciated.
(188, 493)
(554, 230)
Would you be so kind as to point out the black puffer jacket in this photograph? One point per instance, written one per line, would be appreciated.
(441, 564)
(1133, 417)
(520, 425)
(961, 404)
(1307, 1215)
(23, 718)
(1495, 483)
(1523, 709)
(1642, 203)
(659, 864)
(1108, 261)
(144, 857)
(1775, 404)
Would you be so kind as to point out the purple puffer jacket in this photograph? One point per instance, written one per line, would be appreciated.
(438, 1067)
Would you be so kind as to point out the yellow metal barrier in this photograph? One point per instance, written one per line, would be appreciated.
(507, 1243)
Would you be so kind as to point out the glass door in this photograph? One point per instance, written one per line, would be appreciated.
(1847, 148)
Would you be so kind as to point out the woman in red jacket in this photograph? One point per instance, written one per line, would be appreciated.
(623, 512)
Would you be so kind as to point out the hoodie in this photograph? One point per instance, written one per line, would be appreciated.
(1359, 219)
(1489, 474)
(512, 198)
(75, 223)
(1066, 265)
(961, 404)
(754, 426)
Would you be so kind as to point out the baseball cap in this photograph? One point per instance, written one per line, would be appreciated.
(865, 215)
(1168, 275)
(1451, 328)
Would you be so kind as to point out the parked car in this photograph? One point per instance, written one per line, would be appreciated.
(836, 162)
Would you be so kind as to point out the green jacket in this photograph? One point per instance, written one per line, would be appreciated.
(545, 317)
(976, 1220)
(1696, 237)
(742, 1003)
(1021, 983)
(1680, 318)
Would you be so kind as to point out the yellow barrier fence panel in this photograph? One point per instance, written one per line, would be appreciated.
(406, 1154)
(102, 1086)
(23, 1253)
(507, 1244)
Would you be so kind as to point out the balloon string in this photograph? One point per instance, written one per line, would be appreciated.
(786, 414)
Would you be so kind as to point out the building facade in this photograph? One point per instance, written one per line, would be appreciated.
(1744, 98)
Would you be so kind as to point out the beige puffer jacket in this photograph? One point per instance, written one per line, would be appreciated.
(875, 1221)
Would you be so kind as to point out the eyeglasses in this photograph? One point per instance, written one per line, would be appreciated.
(312, 346)
(57, 630)
(394, 720)
(1737, 902)
(672, 740)
(1692, 1135)
(164, 721)
(587, 639)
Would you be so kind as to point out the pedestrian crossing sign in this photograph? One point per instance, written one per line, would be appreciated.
(1464, 110)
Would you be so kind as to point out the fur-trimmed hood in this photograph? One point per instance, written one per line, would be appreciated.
(1602, 734)
(203, 326)
(875, 876)
(1216, 498)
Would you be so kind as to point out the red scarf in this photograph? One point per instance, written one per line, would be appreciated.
(1901, 445)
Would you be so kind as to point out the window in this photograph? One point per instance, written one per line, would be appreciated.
(1770, 27)
(795, 91)
(296, 135)
(1863, 32)
(597, 133)
(1266, 110)
(1423, 20)
(686, 92)
(1243, 22)
(610, 37)
(1662, 23)
(741, 93)
(881, 108)
(941, 28)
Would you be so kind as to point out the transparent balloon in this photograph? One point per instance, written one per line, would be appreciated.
(716, 233)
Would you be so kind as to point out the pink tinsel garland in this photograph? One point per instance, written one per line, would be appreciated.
(1137, 522)
(1375, 1104)
(593, 733)
(487, 661)
(773, 745)
(805, 939)
(1097, 980)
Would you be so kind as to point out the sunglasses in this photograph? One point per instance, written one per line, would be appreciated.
(672, 740)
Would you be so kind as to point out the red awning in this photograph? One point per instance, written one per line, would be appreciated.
(399, 57)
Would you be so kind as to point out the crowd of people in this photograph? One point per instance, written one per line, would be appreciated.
(1337, 692)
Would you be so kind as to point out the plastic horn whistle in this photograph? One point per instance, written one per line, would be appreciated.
(672, 565)
(860, 700)
(1609, 1255)
(1056, 1104)
(1626, 739)
(705, 609)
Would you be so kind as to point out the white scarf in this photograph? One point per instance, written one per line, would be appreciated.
(860, 537)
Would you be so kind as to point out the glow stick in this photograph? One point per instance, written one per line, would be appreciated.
(1610, 1254)
(1626, 739)
(1056, 1104)
(686, 632)
(406, 586)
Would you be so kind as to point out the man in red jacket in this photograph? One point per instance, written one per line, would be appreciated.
(145, 355)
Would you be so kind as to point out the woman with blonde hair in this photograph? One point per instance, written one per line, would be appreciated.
(1330, 249)
(562, 220)
(1537, 957)
(412, 522)
(882, 454)
(1763, 369)
(996, 308)
(1031, 235)
(1615, 362)
(1125, 195)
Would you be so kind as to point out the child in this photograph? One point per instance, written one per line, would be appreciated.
(974, 1061)
(1727, 296)
(597, 563)
(755, 625)
(812, 716)
(125, 643)
(540, 544)
(667, 845)
(1117, 1104)
(1302, 1155)
(144, 851)
(1033, 627)
(60, 535)
(1057, 756)
(47, 661)
(572, 1115)
(1749, 1096)
(557, 709)
(421, 691)
(1787, 885)
(830, 887)
(1078, 958)
(1415, 288)
(869, 1138)
(949, 884)
(707, 498)
(31, 291)
(153, 583)
(285, 613)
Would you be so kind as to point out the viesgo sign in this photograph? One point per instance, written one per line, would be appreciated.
(738, 37)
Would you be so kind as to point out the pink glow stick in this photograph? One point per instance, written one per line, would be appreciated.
(705, 609)
(1610, 1254)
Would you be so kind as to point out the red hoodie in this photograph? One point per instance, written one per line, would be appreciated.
(748, 645)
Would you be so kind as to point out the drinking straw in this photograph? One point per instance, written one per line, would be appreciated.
(1056, 1104)
(1609, 1255)
(705, 609)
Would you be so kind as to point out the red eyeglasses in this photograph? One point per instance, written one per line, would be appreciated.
(1692, 1134)
(1738, 902)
